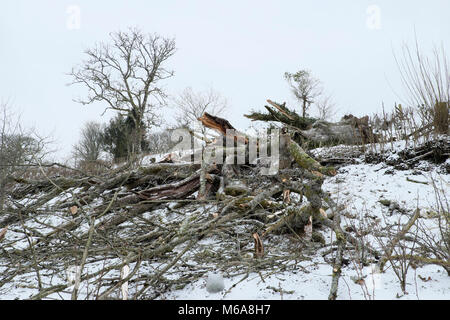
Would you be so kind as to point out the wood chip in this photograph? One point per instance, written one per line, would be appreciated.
(3, 233)
(74, 210)
(259, 248)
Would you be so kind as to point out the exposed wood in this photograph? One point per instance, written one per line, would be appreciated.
(3, 233)
(219, 124)
(259, 248)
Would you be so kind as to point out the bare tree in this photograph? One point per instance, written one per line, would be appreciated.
(126, 74)
(19, 149)
(426, 80)
(191, 105)
(325, 108)
(90, 145)
(160, 141)
(304, 87)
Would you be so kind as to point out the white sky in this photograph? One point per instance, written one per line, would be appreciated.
(240, 48)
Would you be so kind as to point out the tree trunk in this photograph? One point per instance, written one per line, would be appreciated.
(350, 130)
(2, 194)
(304, 108)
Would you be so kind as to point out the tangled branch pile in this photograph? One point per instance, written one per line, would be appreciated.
(139, 233)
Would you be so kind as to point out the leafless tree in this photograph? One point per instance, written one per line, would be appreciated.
(191, 105)
(426, 80)
(126, 74)
(19, 149)
(160, 141)
(304, 87)
(325, 108)
(90, 145)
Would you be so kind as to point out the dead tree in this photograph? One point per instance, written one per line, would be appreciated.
(349, 130)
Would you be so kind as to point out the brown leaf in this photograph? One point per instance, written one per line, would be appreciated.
(259, 248)
(3, 233)
(74, 210)
(323, 213)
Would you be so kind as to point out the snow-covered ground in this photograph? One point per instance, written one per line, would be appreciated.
(360, 188)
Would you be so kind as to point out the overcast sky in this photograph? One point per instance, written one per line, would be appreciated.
(240, 48)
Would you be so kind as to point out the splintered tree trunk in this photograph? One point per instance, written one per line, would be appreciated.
(219, 124)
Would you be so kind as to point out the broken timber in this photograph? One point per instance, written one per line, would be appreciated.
(349, 130)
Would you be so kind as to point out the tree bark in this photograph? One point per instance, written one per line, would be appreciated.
(350, 130)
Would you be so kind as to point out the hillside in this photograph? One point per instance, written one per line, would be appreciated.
(143, 234)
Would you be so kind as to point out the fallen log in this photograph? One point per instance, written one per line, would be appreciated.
(177, 190)
(349, 130)
(308, 163)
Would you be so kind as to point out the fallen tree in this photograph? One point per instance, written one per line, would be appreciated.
(154, 214)
(349, 130)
